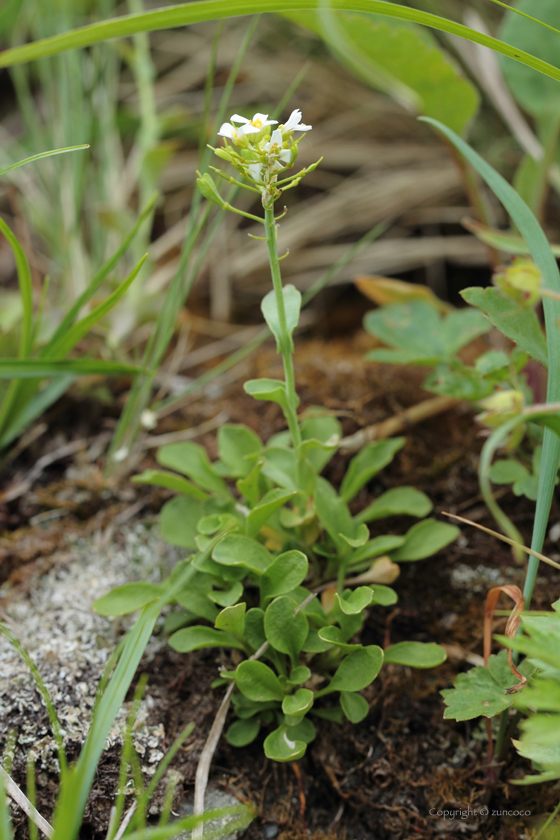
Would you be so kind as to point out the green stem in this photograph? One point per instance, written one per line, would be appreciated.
(285, 338)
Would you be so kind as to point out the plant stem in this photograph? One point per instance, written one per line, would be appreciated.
(285, 338)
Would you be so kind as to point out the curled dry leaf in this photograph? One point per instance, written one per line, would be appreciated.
(382, 570)
(386, 290)
(512, 626)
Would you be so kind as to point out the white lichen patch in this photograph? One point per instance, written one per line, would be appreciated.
(71, 644)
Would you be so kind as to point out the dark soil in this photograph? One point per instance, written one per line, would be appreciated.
(388, 776)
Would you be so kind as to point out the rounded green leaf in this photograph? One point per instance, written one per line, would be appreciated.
(415, 654)
(171, 481)
(354, 706)
(424, 539)
(254, 628)
(279, 746)
(236, 445)
(242, 732)
(191, 460)
(332, 635)
(178, 521)
(398, 501)
(232, 620)
(273, 390)
(357, 670)
(258, 682)
(227, 597)
(238, 550)
(285, 629)
(262, 512)
(127, 598)
(353, 603)
(300, 674)
(303, 731)
(367, 463)
(292, 306)
(195, 638)
(384, 595)
(298, 703)
(285, 574)
(314, 643)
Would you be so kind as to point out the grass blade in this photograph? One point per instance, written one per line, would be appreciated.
(33, 368)
(35, 407)
(204, 10)
(75, 789)
(540, 250)
(43, 155)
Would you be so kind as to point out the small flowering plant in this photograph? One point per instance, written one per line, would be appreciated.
(280, 572)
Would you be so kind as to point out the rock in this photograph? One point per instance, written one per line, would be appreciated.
(214, 798)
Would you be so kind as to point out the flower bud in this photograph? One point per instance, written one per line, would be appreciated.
(520, 281)
(209, 189)
(500, 407)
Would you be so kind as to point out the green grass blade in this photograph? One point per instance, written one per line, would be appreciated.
(68, 341)
(42, 689)
(32, 368)
(204, 10)
(75, 791)
(99, 277)
(245, 816)
(43, 155)
(540, 251)
(25, 290)
(6, 832)
(34, 407)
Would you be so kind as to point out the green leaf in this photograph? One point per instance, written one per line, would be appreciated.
(280, 466)
(249, 487)
(37, 368)
(273, 390)
(506, 471)
(415, 654)
(227, 597)
(209, 190)
(178, 520)
(191, 460)
(384, 595)
(43, 155)
(375, 547)
(286, 573)
(238, 550)
(304, 731)
(520, 325)
(333, 636)
(243, 732)
(292, 306)
(401, 60)
(258, 682)
(314, 643)
(459, 382)
(127, 598)
(271, 502)
(424, 539)
(298, 703)
(254, 628)
(171, 481)
(278, 746)
(195, 638)
(481, 691)
(194, 597)
(285, 629)
(353, 603)
(420, 334)
(300, 674)
(232, 620)
(237, 447)
(334, 514)
(318, 424)
(368, 463)
(357, 670)
(361, 538)
(354, 706)
(536, 94)
(399, 501)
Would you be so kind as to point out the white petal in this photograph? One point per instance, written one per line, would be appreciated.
(304, 127)
(262, 118)
(270, 122)
(286, 156)
(255, 171)
(227, 130)
(293, 120)
(277, 137)
(236, 118)
(249, 129)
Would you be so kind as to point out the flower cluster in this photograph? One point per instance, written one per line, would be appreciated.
(259, 152)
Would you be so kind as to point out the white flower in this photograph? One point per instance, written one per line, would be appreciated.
(255, 171)
(294, 123)
(255, 125)
(230, 131)
(275, 146)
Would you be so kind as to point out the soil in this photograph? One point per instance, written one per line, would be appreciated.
(389, 776)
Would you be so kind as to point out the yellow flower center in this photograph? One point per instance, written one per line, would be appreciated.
(256, 123)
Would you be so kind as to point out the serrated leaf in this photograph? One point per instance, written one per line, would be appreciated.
(286, 629)
(195, 638)
(286, 573)
(415, 654)
(398, 501)
(292, 306)
(424, 539)
(357, 670)
(354, 706)
(191, 460)
(127, 598)
(520, 325)
(364, 466)
(258, 682)
(481, 691)
(238, 550)
(278, 746)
